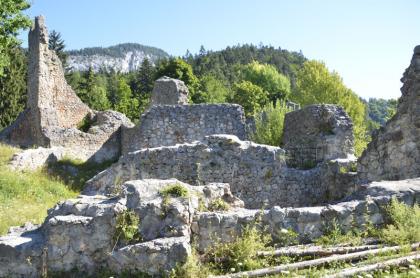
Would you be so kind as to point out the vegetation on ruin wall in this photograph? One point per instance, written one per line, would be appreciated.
(241, 253)
(26, 196)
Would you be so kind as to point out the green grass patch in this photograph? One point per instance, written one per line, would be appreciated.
(75, 173)
(26, 196)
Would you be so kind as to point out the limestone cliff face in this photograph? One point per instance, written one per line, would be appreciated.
(394, 152)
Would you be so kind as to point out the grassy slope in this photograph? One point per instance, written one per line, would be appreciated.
(27, 196)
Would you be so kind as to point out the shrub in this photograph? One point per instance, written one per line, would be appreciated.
(269, 124)
(218, 205)
(175, 190)
(404, 224)
(334, 234)
(240, 254)
(127, 227)
(286, 237)
(192, 268)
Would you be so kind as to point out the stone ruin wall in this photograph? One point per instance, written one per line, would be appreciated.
(317, 133)
(257, 174)
(176, 124)
(54, 111)
(394, 152)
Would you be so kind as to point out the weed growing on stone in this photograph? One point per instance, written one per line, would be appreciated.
(218, 205)
(26, 196)
(175, 190)
(334, 235)
(127, 227)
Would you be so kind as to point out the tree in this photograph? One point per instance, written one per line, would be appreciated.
(269, 124)
(143, 79)
(11, 21)
(316, 84)
(250, 96)
(56, 43)
(179, 69)
(268, 78)
(92, 91)
(13, 87)
(212, 90)
(125, 103)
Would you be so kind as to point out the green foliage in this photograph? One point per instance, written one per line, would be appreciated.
(381, 110)
(223, 64)
(405, 223)
(179, 69)
(218, 205)
(127, 227)
(125, 103)
(268, 78)
(269, 124)
(192, 268)
(316, 84)
(12, 20)
(56, 43)
(212, 90)
(250, 96)
(286, 237)
(239, 255)
(75, 173)
(334, 234)
(175, 190)
(26, 196)
(13, 87)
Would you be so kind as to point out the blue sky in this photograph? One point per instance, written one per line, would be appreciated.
(369, 43)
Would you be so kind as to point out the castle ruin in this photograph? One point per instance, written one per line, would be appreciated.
(203, 148)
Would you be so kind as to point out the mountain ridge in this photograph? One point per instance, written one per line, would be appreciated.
(124, 57)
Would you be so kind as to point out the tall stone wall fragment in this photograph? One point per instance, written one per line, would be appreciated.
(54, 111)
(317, 133)
(394, 152)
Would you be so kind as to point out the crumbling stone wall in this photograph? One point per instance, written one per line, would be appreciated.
(54, 111)
(176, 124)
(258, 174)
(394, 152)
(317, 133)
(169, 91)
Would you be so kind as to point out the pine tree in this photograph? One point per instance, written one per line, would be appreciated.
(56, 43)
(125, 103)
(13, 87)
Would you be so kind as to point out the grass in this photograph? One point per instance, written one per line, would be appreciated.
(26, 196)
(218, 204)
(175, 190)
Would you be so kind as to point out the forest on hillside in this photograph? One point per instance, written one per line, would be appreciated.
(260, 78)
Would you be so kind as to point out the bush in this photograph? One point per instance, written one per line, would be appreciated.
(127, 228)
(269, 124)
(175, 190)
(239, 255)
(218, 205)
(192, 268)
(286, 237)
(405, 223)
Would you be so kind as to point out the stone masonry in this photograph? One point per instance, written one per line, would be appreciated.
(394, 152)
(317, 133)
(54, 111)
(258, 174)
(176, 124)
(169, 91)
